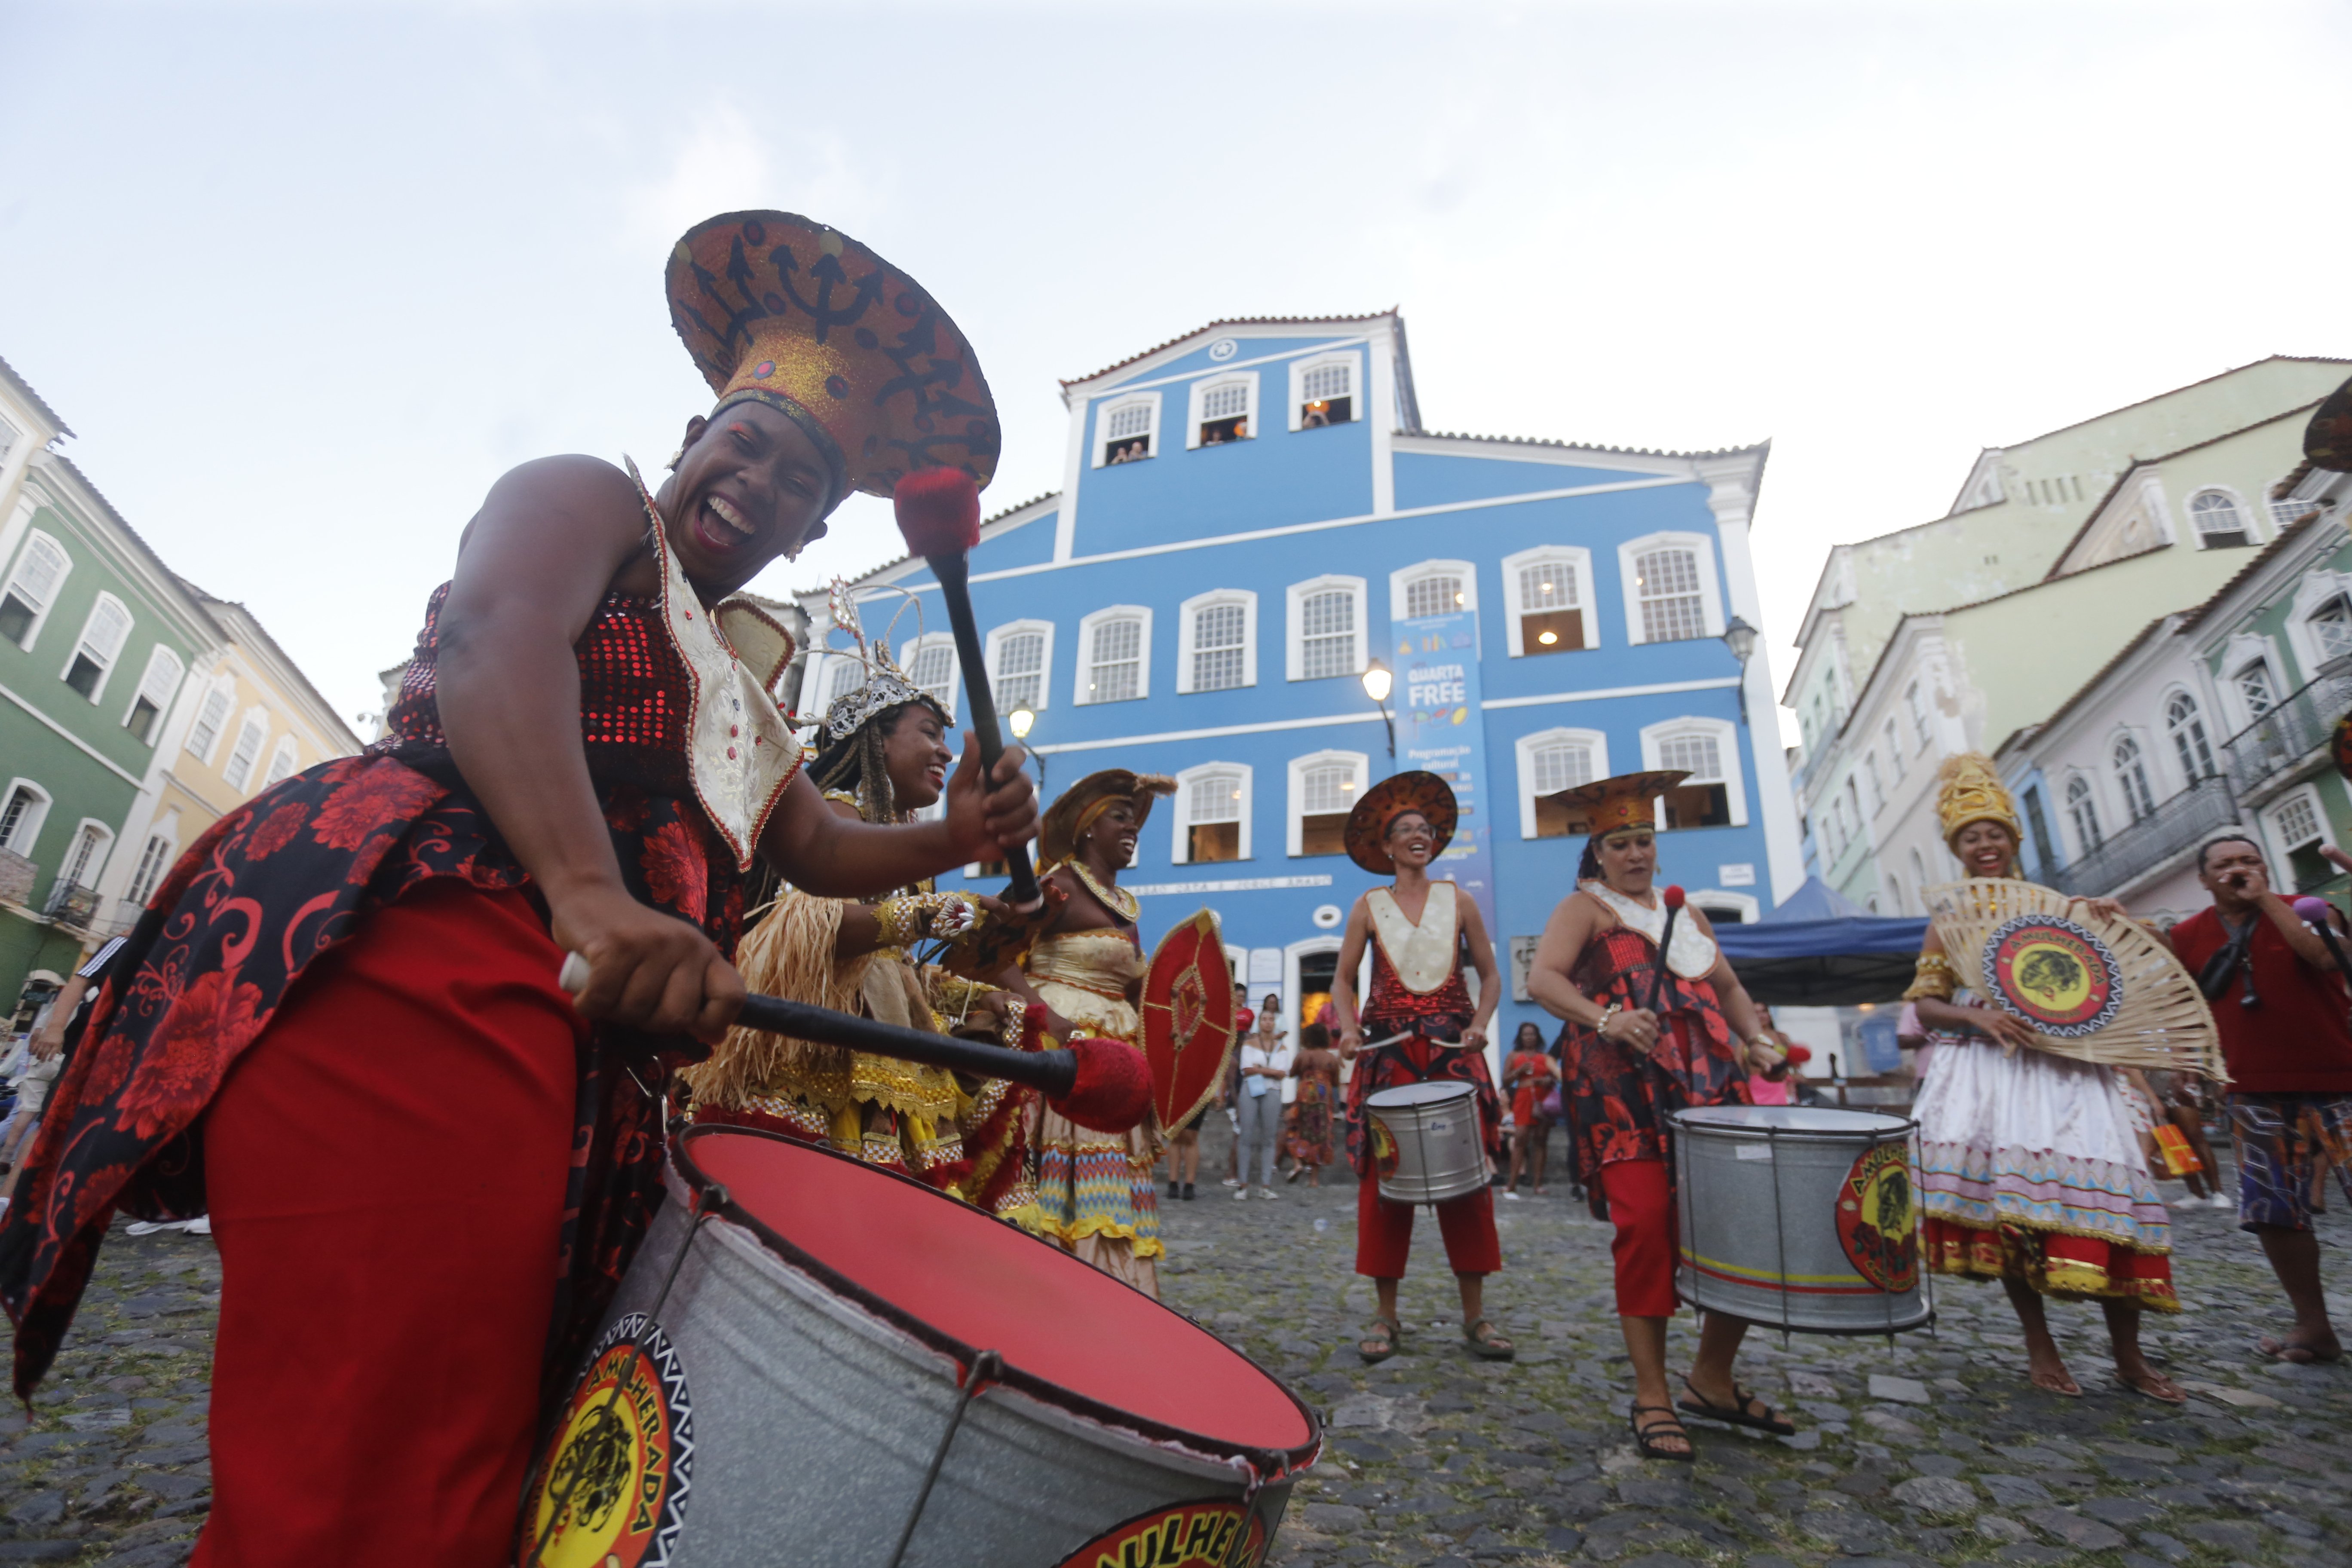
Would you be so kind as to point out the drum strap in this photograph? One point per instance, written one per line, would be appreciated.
(986, 1367)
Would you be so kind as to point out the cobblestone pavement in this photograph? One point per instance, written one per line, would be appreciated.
(1932, 1450)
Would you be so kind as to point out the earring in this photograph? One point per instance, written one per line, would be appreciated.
(675, 459)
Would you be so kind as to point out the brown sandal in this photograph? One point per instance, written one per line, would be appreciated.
(1490, 1346)
(1381, 1343)
(1648, 1437)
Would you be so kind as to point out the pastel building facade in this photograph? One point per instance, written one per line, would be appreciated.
(1252, 513)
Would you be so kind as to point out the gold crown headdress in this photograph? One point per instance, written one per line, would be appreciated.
(1970, 790)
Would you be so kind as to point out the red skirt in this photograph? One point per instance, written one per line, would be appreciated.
(2052, 1262)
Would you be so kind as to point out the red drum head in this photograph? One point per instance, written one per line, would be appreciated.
(1068, 1332)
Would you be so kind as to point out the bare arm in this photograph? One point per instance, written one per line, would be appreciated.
(2009, 1030)
(1738, 1007)
(52, 1037)
(1343, 983)
(1490, 981)
(843, 857)
(1574, 921)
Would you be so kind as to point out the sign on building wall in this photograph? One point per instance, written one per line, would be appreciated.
(1440, 728)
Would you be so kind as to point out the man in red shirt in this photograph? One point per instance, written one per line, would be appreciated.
(2281, 1006)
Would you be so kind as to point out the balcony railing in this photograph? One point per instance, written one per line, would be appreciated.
(2289, 733)
(2174, 827)
(17, 876)
(71, 904)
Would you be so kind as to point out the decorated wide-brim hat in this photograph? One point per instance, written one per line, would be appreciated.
(1626, 803)
(781, 309)
(1075, 812)
(1367, 825)
(2327, 439)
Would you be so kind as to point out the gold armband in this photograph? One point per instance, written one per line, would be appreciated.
(911, 919)
(1934, 976)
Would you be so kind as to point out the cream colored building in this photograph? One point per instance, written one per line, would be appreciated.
(246, 718)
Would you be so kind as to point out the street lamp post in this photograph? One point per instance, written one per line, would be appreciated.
(1378, 682)
(1741, 639)
(1020, 721)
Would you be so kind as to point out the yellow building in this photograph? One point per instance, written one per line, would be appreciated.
(246, 718)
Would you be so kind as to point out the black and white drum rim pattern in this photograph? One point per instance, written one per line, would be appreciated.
(619, 1469)
(2055, 974)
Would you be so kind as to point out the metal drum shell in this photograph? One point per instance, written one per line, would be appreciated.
(816, 1416)
(1440, 1155)
(1739, 1237)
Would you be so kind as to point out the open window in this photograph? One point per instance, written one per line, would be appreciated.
(1223, 410)
(1323, 392)
(1713, 796)
(2300, 833)
(41, 568)
(1550, 607)
(1324, 788)
(1213, 813)
(1551, 760)
(102, 636)
(1129, 431)
(2219, 520)
(155, 689)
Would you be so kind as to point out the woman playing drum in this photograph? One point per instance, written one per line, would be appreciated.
(1423, 1029)
(2033, 1173)
(1647, 1037)
(337, 1028)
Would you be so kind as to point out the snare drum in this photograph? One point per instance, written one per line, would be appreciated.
(783, 1397)
(1426, 1142)
(1801, 1217)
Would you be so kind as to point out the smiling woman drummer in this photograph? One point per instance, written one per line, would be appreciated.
(338, 1027)
(1649, 1034)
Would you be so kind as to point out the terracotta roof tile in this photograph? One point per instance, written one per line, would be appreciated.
(1230, 321)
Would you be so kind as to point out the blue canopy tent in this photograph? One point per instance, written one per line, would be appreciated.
(1818, 950)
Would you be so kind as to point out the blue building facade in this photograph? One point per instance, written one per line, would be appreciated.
(1253, 512)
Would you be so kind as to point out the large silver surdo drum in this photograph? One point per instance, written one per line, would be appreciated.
(1425, 1143)
(1799, 1217)
(781, 1399)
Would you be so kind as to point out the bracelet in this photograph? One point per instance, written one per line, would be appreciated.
(907, 919)
(1608, 1013)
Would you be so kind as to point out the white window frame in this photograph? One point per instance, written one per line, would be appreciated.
(1402, 580)
(1087, 625)
(1524, 751)
(1180, 847)
(818, 677)
(1578, 561)
(2133, 816)
(1895, 748)
(1186, 646)
(1295, 814)
(994, 653)
(2312, 592)
(1709, 581)
(254, 716)
(2240, 650)
(1713, 899)
(2089, 780)
(1104, 408)
(167, 833)
(1197, 394)
(56, 589)
(101, 846)
(1727, 747)
(159, 657)
(286, 752)
(1919, 883)
(2275, 843)
(2250, 520)
(924, 644)
(2171, 695)
(105, 667)
(224, 685)
(1294, 658)
(1358, 410)
(28, 826)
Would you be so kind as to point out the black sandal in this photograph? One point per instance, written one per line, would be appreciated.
(1381, 1343)
(1648, 1437)
(1494, 1347)
(1738, 1415)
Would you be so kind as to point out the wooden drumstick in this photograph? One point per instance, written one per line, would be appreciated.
(1097, 1083)
(1673, 898)
(939, 514)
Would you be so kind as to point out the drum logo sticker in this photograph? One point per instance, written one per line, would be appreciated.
(2054, 975)
(1875, 1219)
(1384, 1147)
(611, 1491)
(1220, 1533)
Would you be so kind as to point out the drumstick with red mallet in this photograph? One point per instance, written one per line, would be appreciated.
(939, 514)
(1097, 1083)
(1674, 900)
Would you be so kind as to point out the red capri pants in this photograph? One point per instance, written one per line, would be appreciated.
(1384, 1232)
(1642, 1207)
(387, 1168)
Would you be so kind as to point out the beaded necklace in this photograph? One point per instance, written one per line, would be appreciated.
(1116, 899)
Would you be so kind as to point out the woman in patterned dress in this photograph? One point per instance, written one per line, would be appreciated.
(337, 1027)
(1646, 1036)
(1306, 1137)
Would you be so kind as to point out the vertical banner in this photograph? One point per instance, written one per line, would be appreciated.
(1440, 729)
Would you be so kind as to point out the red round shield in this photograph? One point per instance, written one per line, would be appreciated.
(1188, 1019)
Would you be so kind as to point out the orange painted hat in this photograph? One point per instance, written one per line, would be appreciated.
(1626, 803)
(1367, 825)
(781, 309)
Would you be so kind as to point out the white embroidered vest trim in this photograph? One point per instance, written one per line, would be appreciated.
(1692, 953)
(1422, 956)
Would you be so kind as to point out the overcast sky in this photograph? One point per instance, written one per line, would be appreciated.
(306, 279)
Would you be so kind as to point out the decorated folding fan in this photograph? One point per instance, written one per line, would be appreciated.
(1188, 1019)
(2097, 990)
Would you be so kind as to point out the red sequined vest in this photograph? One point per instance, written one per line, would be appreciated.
(1395, 1006)
(633, 701)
